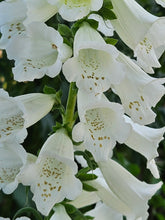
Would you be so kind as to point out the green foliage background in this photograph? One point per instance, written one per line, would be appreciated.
(38, 133)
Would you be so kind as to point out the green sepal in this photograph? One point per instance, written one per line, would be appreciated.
(107, 14)
(48, 90)
(93, 23)
(86, 177)
(64, 30)
(111, 41)
(70, 209)
(88, 188)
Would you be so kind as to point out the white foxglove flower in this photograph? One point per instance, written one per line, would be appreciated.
(148, 41)
(12, 14)
(52, 176)
(101, 211)
(60, 213)
(18, 113)
(41, 52)
(139, 92)
(104, 26)
(134, 193)
(12, 159)
(145, 140)
(94, 66)
(101, 125)
(72, 10)
(161, 2)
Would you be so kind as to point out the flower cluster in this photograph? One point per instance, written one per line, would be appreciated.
(90, 62)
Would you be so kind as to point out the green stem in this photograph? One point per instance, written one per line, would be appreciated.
(69, 118)
(26, 210)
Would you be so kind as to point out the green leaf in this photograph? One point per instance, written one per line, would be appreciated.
(93, 23)
(111, 41)
(88, 188)
(64, 30)
(86, 177)
(107, 14)
(49, 90)
(70, 208)
(107, 4)
(77, 25)
(83, 171)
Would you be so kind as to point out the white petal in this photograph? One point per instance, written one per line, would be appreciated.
(84, 199)
(12, 158)
(60, 213)
(104, 26)
(40, 10)
(36, 106)
(146, 39)
(103, 125)
(94, 66)
(53, 173)
(11, 118)
(139, 92)
(161, 2)
(145, 140)
(12, 11)
(74, 10)
(102, 211)
(134, 193)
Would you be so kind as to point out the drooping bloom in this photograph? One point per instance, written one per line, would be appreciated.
(161, 2)
(94, 66)
(148, 41)
(134, 193)
(101, 211)
(13, 158)
(145, 140)
(12, 14)
(19, 113)
(41, 52)
(138, 92)
(101, 125)
(52, 176)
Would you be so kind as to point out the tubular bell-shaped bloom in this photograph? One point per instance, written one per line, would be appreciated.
(138, 92)
(134, 193)
(19, 113)
(145, 140)
(12, 158)
(101, 125)
(148, 41)
(41, 52)
(94, 66)
(12, 14)
(51, 177)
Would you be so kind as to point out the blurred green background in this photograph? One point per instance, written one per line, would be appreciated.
(133, 161)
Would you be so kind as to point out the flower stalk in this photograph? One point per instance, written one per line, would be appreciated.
(69, 117)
